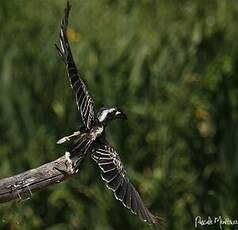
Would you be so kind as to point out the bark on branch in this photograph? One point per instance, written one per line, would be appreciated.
(22, 186)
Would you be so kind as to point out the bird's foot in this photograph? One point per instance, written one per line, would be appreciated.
(69, 164)
(69, 168)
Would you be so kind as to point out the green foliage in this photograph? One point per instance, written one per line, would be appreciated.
(171, 66)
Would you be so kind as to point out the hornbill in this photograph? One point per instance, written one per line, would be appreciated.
(92, 137)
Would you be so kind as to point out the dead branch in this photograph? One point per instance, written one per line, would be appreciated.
(22, 186)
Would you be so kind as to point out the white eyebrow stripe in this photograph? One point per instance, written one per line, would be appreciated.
(118, 112)
(104, 114)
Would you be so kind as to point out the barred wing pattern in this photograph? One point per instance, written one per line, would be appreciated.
(84, 101)
(115, 177)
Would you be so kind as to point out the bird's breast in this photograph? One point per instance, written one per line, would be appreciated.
(96, 132)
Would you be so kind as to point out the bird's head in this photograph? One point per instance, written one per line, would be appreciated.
(107, 114)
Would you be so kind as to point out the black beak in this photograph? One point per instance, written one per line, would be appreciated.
(120, 114)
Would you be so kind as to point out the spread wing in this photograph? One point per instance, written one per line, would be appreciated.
(84, 101)
(115, 177)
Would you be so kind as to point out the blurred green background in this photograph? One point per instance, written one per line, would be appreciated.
(171, 65)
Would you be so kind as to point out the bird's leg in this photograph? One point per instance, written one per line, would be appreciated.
(69, 163)
(69, 167)
(67, 138)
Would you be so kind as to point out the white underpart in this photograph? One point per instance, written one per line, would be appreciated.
(99, 131)
(96, 133)
(104, 113)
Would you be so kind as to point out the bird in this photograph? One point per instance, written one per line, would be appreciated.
(91, 137)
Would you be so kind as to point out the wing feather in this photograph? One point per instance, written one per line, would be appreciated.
(84, 101)
(113, 173)
(121, 191)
